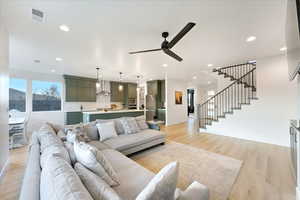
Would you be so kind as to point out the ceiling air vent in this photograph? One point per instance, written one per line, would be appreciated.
(37, 15)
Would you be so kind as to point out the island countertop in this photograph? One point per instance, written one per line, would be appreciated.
(111, 111)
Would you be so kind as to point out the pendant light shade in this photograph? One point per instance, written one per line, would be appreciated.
(100, 85)
(120, 87)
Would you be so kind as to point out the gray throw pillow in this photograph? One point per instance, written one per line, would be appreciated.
(141, 121)
(91, 130)
(97, 187)
(60, 181)
(95, 160)
(129, 125)
(163, 185)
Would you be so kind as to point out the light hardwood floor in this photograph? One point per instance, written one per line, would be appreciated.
(266, 173)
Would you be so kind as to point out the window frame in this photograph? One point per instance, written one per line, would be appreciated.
(26, 93)
(61, 95)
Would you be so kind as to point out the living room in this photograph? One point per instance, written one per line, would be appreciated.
(111, 81)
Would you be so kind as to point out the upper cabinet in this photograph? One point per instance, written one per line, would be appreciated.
(117, 95)
(128, 91)
(80, 89)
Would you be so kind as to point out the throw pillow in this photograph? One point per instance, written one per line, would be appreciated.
(57, 150)
(129, 125)
(72, 136)
(91, 130)
(95, 160)
(60, 181)
(106, 130)
(62, 135)
(163, 185)
(97, 187)
(141, 121)
(70, 148)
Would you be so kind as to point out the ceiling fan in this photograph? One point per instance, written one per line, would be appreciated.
(166, 46)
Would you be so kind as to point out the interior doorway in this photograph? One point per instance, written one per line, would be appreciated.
(190, 101)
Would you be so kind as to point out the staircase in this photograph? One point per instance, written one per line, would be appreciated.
(240, 92)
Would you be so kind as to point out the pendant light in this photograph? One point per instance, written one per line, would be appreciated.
(138, 83)
(120, 87)
(98, 81)
(101, 84)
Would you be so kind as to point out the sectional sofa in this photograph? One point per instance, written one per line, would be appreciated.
(133, 178)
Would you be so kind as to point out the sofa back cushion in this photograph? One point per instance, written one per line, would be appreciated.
(96, 186)
(60, 182)
(95, 160)
(57, 150)
(48, 139)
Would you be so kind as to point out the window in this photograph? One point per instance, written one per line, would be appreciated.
(46, 96)
(17, 94)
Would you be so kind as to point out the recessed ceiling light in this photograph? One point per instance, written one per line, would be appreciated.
(58, 59)
(64, 27)
(208, 82)
(283, 48)
(37, 61)
(165, 65)
(251, 38)
(210, 65)
(150, 79)
(53, 70)
(194, 77)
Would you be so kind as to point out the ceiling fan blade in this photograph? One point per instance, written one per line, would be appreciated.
(172, 54)
(145, 51)
(180, 35)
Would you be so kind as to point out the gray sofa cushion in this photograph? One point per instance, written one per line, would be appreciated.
(124, 142)
(48, 139)
(31, 182)
(141, 121)
(55, 149)
(133, 178)
(96, 186)
(60, 182)
(99, 145)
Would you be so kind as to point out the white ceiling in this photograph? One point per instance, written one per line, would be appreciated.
(102, 33)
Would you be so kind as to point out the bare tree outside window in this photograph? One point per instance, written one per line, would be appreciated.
(46, 96)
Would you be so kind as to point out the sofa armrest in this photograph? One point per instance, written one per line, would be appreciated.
(195, 191)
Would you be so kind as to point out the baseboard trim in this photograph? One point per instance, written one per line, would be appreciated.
(4, 170)
(297, 193)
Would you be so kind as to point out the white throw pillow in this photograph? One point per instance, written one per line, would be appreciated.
(106, 130)
(129, 125)
(95, 160)
(141, 121)
(97, 187)
(163, 185)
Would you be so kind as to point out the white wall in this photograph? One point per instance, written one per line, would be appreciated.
(266, 119)
(3, 97)
(175, 113)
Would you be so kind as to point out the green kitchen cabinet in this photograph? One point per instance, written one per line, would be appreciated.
(116, 94)
(132, 93)
(80, 89)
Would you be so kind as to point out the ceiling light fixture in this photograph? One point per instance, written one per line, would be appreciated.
(120, 87)
(210, 65)
(208, 82)
(64, 28)
(100, 84)
(58, 59)
(194, 77)
(165, 65)
(251, 38)
(283, 48)
(53, 70)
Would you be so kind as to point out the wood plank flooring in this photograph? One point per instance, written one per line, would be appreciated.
(266, 173)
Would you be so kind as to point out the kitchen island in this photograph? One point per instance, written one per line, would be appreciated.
(90, 116)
